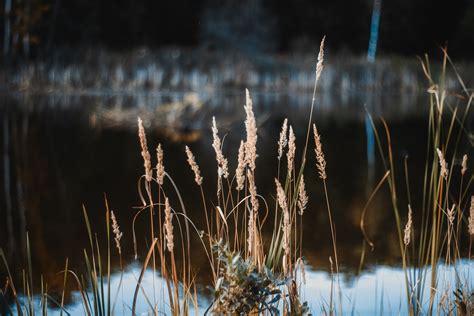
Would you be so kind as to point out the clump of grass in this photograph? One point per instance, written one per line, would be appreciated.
(442, 212)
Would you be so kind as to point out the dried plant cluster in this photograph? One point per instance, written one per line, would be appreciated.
(250, 275)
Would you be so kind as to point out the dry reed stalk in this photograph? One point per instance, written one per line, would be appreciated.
(116, 231)
(408, 228)
(286, 225)
(160, 167)
(283, 140)
(251, 233)
(168, 226)
(239, 172)
(319, 70)
(302, 196)
(251, 130)
(443, 164)
(216, 144)
(291, 151)
(252, 224)
(253, 191)
(194, 166)
(321, 162)
(464, 165)
(471, 217)
(145, 154)
(302, 270)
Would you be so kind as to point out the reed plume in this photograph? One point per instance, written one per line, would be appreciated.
(464, 165)
(251, 130)
(320, 161)
(319, 65)
(168, 226)
(471, 217)
(408, 227)
(116, 231)
(291, 151)
(216, 144)
(240, 171)
(443, 164)
(160, 167)
(194, 166)
(302, 196)
(283, 140)
(145, 154)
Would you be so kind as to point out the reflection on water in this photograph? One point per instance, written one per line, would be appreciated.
(379, 291)
(65, 151)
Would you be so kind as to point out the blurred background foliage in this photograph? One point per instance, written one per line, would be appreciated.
(37, 28)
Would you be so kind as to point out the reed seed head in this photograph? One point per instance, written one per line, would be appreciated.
(443, 164)
(283, 140)
(168, 226)
(302, 196)
(408, 227)
(116, 231)
(194, 166)
(240, 171)
(319, 65)
(291, 151)
(216, 144)
(145, 154)
(320, 161)
(471, 217)
(251, 130)
(160, 167)
(281, 196)
(464, 165)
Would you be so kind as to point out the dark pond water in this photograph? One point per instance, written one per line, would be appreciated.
(62, 152)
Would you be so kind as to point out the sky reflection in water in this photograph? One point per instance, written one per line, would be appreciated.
(378, 292)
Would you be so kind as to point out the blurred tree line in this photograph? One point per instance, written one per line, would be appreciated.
(36, 28)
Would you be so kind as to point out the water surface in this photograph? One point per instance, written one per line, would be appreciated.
(64, 151)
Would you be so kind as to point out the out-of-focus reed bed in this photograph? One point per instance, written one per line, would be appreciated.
(253, 273)
(177, 69)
